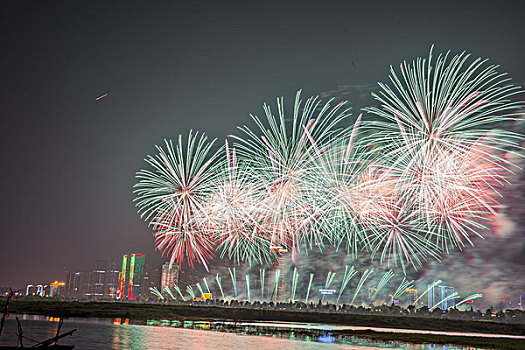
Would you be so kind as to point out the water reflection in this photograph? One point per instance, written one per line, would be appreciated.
(147, 337)
(120, 333)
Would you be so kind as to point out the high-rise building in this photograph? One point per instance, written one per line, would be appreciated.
(112, 275)
(74, 284)
(169, 276)
(412, 295)
(152, 273)
(56, 288)
(31, 289)
(282, 291)
(96, 280)
(131, 277)
(102, 282)
(436, 295)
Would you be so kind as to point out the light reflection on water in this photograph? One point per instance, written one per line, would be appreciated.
(119, 334)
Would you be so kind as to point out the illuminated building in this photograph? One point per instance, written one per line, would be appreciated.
(30, 289)
(152, 274)
(437, 293)
(131, 277)
(102, 281)
(281, 291)
(412, 295)
(96, 280)
(55, 288)
(41, 290)
(74, 284)
(169, 276)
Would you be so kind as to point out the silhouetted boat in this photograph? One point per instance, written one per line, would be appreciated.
(48, 344)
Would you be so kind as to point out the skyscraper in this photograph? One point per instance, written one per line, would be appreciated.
(131, 277)
(74, 284)
(441, 296)
(152, 273)
(412, 295)
(55, 288)
(169, 276)
(96, 280)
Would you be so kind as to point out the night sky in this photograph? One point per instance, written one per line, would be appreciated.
(68, 161)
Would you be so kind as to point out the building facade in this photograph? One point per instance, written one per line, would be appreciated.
(131, 277)
(74, 287)
(441, 296)
(102, 281)
(169, 276)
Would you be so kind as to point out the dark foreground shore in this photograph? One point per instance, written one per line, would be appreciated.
(143, 312)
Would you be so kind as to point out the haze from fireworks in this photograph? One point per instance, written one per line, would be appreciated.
(415, 180)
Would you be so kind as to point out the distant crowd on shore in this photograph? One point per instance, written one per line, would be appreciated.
(509, 315)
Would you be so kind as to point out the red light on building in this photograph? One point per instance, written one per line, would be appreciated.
(470, 301)
(501, 298)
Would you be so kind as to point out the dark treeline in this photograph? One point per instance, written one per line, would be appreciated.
(504, 322)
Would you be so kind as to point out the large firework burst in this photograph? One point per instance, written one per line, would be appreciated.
(417, 179)
(172, 197)
(439, 130)
(282, 157)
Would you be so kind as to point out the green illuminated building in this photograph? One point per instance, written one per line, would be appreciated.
(131, 276)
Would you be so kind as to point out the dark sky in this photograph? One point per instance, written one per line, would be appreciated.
(68, 162)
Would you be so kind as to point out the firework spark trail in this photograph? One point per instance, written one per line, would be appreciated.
(206, 284)
(276, 287)
(168, 290)
(172, 198)
(382, 283)
(179, 291)
(362, 281)
(430, 287)
(234, 281)
(329, 279)
(261, 278)
(282, 158)
(233, 208)
(451, 296)
(440, 143)
(248, 286)
(401, 289)
(470, 297)
(295, 277)
(156, 292)
(190, 291)
(419, 181)
(309, 287)
(200, 288)
(349, 273)
(218, 279)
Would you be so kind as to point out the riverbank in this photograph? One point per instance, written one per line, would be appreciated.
(139, 311)
(478, 342)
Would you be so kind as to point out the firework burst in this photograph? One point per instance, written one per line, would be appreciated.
(418, 179)
(172, 198)
(440, 142)
(282, 156)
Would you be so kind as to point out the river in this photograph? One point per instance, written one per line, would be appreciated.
(119, 334)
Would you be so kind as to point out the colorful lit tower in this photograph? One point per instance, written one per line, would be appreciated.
(55, 288)
(440, 295)
(169, 276)
(412, 295)
(130, 277)
(281, 292)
